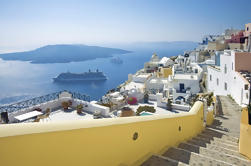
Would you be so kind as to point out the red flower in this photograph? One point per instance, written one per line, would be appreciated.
(132, 100)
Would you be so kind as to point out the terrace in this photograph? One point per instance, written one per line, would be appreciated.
(159, 106)
(53, 107)
(159, 110)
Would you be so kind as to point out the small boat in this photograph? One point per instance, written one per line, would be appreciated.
(116, 60)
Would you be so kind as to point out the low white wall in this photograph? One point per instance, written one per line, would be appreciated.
(96, 107)
(180, 107)
(152, 97)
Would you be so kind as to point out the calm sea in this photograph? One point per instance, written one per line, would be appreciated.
(22, 80)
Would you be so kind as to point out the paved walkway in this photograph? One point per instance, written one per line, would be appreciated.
(228, 119)
(217, 145)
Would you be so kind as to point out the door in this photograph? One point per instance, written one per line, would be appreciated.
(182, 87)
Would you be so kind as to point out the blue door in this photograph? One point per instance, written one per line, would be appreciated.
(182, 87)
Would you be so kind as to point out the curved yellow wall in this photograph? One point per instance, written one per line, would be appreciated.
(245, 134)
(96, 142)
(210, 117)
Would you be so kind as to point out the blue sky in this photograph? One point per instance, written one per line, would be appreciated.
(31, 23)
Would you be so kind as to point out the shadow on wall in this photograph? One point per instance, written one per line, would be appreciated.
(245, 134)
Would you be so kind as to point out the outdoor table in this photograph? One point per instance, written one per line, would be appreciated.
(28, 115)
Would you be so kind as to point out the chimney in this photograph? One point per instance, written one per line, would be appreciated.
(249, 43)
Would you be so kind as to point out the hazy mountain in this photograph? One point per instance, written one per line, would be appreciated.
(63, 53)
(157, 46)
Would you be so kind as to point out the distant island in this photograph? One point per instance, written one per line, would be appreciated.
(63, 53)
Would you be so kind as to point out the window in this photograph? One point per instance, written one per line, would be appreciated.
(210, 77)
(246, 86)
(225, 69)
(232, 66)
(225, 86)
(246, 95)
(247, 28)
(217, 81)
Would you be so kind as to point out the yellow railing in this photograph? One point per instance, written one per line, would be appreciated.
(245, 134)
(117, 141)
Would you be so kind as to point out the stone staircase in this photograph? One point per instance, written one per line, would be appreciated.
(217, 145)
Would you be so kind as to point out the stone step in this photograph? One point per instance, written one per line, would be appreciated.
(214, 154)
(220, 144)
(218, 128)
(208, 145)
(192, 158)
(221, 133)
(218, 134)
(210, 136)
(157, 160)
(218, 149)
(215, 139)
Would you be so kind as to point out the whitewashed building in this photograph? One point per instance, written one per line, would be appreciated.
(185, 79)
(156, 62)
(232, 77)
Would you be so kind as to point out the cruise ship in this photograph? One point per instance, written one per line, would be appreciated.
(86, 76)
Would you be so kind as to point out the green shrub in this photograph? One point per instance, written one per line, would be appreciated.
(169, 104)
(210, 99)
(146, 109)
(107, 104)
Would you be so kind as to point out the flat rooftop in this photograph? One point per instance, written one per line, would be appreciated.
(143, 75)
(186, 76)
(133, 85)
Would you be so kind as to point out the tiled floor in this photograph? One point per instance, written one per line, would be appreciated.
(60, 115)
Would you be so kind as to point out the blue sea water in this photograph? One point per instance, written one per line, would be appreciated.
(22, 80)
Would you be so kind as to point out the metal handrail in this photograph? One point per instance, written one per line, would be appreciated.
(41, 99)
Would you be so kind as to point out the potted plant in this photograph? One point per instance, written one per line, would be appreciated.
(169, 104)
(126, 112)
(210, 99)
(65, 105)
(146, 97)
(70, 103)
(79, 108)
(48, 111)
(132, 100)
(37, 109)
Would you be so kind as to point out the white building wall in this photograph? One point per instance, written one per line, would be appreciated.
(235, 82)
(193, 84)
(212, 85)
(238, 92)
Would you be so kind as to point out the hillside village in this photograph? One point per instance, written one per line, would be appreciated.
(220, 65)
(190, 109)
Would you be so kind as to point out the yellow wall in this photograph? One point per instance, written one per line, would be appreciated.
(233, 46)
(165, 72)
(96, 142)
(210, 117)
(216, 46)
(245, 134)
